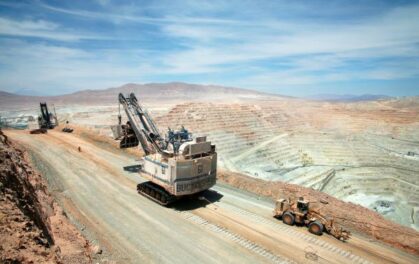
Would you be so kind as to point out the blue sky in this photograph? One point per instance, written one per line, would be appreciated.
(294, 48)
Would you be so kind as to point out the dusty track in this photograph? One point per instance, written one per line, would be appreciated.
(236, 227)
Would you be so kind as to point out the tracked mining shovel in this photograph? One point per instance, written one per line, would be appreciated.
(176, 165)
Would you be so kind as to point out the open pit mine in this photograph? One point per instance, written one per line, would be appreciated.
(356, 162)
(365, 156)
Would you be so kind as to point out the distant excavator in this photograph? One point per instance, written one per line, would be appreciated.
(175, 166)
(46, 120)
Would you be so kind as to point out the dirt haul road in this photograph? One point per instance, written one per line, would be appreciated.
(226, 226)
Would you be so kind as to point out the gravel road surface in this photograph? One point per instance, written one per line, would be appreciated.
(226, 225)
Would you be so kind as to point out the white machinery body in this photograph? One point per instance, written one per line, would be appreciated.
(179, 175)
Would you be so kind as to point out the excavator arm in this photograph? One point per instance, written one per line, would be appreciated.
(141, 124)
(44, 119)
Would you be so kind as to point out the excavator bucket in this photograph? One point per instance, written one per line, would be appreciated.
(128, 141)
(126, 135)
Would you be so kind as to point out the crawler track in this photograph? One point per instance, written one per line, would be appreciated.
(155, 193)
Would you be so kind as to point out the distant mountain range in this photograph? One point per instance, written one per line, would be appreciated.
(347, 97)
(175, 91)
(28, 92)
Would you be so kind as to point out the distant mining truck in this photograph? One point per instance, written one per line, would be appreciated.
(299, 212)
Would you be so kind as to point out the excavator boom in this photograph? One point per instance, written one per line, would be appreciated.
(141, 124)
(46, 120)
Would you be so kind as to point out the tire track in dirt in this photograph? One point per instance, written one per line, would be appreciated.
(129, 221)
(132, 222)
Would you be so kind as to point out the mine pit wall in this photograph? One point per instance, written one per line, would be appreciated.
(337, 151)
(354, 217)
(17, 176)
(340, 151)
(29, 193)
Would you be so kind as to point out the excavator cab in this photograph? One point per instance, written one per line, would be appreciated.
(176, 138)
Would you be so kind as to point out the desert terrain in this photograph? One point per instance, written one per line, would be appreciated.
(364, 153)
(228, 224)
(33, 227)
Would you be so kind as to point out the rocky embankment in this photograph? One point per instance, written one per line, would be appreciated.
(351, 216)
(33, 228)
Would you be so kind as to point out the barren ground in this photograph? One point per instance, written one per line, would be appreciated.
(365, 153)
(356, 152)
(33, 228)
(231, 225)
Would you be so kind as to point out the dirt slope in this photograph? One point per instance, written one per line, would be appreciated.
(232, 224)
(33, 228)
(355, 217)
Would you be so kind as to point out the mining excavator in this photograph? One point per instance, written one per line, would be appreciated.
(300, 212)
(176, 165)
(46, 120)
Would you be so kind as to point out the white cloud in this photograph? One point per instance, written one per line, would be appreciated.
(200, 34)
(303, 46)
(271, 52)
(48, 67)
(126, 14)
(39, 29)
(103, 2)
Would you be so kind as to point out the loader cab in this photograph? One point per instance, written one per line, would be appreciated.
(302, 206)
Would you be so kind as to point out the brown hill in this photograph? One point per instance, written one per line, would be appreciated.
(174, 91)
